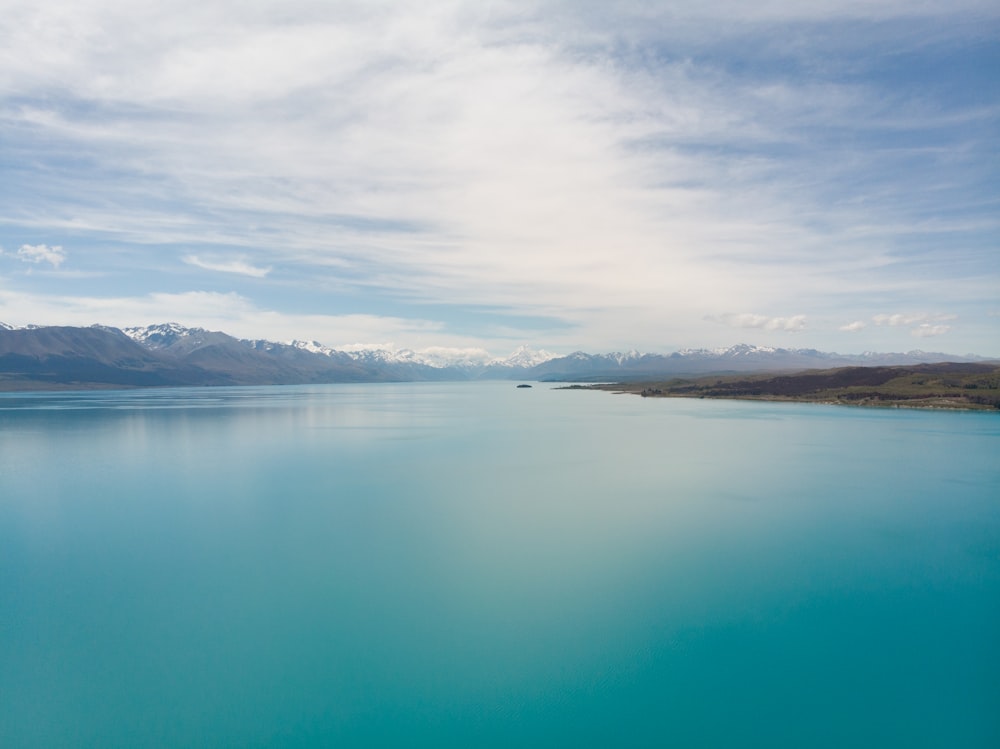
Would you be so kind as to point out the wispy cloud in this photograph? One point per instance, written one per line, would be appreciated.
(921, 325)
(239, 266)
(628, 169)
(853, 327)
(926, 330)
(898, 319)
(792, 324)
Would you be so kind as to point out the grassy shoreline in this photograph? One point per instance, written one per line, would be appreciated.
(947, 386)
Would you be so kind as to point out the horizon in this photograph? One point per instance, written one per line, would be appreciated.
(569, 176)
(443, 352)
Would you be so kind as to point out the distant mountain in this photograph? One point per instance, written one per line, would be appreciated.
(740, 358)
(169, 354)
(437, 357)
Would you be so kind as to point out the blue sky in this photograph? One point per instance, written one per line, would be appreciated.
(567, 175)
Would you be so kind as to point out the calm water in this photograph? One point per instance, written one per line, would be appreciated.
(472, 565)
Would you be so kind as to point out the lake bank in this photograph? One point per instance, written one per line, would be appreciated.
(949, 386)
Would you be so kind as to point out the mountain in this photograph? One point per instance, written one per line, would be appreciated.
(633, 366)
(60, 357)
(244, 362)
(437, 357)
(169, 354)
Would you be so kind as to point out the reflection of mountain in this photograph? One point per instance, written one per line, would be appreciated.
(158, 355)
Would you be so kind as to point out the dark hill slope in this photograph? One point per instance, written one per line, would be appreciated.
(246, 363)
(44, 358)
(96, 357)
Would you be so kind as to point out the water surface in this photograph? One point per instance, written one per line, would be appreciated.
(452, 565)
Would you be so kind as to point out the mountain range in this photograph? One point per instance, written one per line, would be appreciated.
(59, 357)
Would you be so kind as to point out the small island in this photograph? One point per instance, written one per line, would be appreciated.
(962, 386)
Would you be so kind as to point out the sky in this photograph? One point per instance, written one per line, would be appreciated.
(564, 175)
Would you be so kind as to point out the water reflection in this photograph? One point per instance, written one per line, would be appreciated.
(459, 564)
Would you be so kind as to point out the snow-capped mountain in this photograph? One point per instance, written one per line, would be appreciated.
(436, 357)
(171, 354)
(740, 349)
(524, 357)
(313, 347)
(439, 357)
(166, 335)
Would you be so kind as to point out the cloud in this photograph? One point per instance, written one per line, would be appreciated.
(905, 320)
(853, 327)
(239, 266)
(633, 167)
(926, 330)
(898, 320)
(229, 312)
(791, 324)
(40, 253)
(922, 325)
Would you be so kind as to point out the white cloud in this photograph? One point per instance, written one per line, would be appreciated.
(239, 266)
(853, 327)
(926, 330)
(898, 320)
(904, 320)
(922, 325)
(518, 161)
(497, 154)
(791, 324)
(40, 253)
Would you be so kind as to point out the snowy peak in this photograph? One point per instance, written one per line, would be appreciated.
(740, 350)
(385, 356)
(163, 335)
(437, 357)
(313, 347)
(626, 358)
(524, 356)
(442, 357)
(259, 360)
(745, 349)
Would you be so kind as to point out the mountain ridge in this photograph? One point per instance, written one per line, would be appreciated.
(65, 357)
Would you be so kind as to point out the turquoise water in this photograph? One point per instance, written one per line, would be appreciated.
(459, 565)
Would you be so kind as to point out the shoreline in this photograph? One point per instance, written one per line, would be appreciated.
(943, 387)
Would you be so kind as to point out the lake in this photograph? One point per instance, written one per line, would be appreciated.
(475, 565)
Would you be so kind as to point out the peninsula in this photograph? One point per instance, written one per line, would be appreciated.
(949, 385)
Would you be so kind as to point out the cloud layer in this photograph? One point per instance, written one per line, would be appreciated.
(567, 174)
